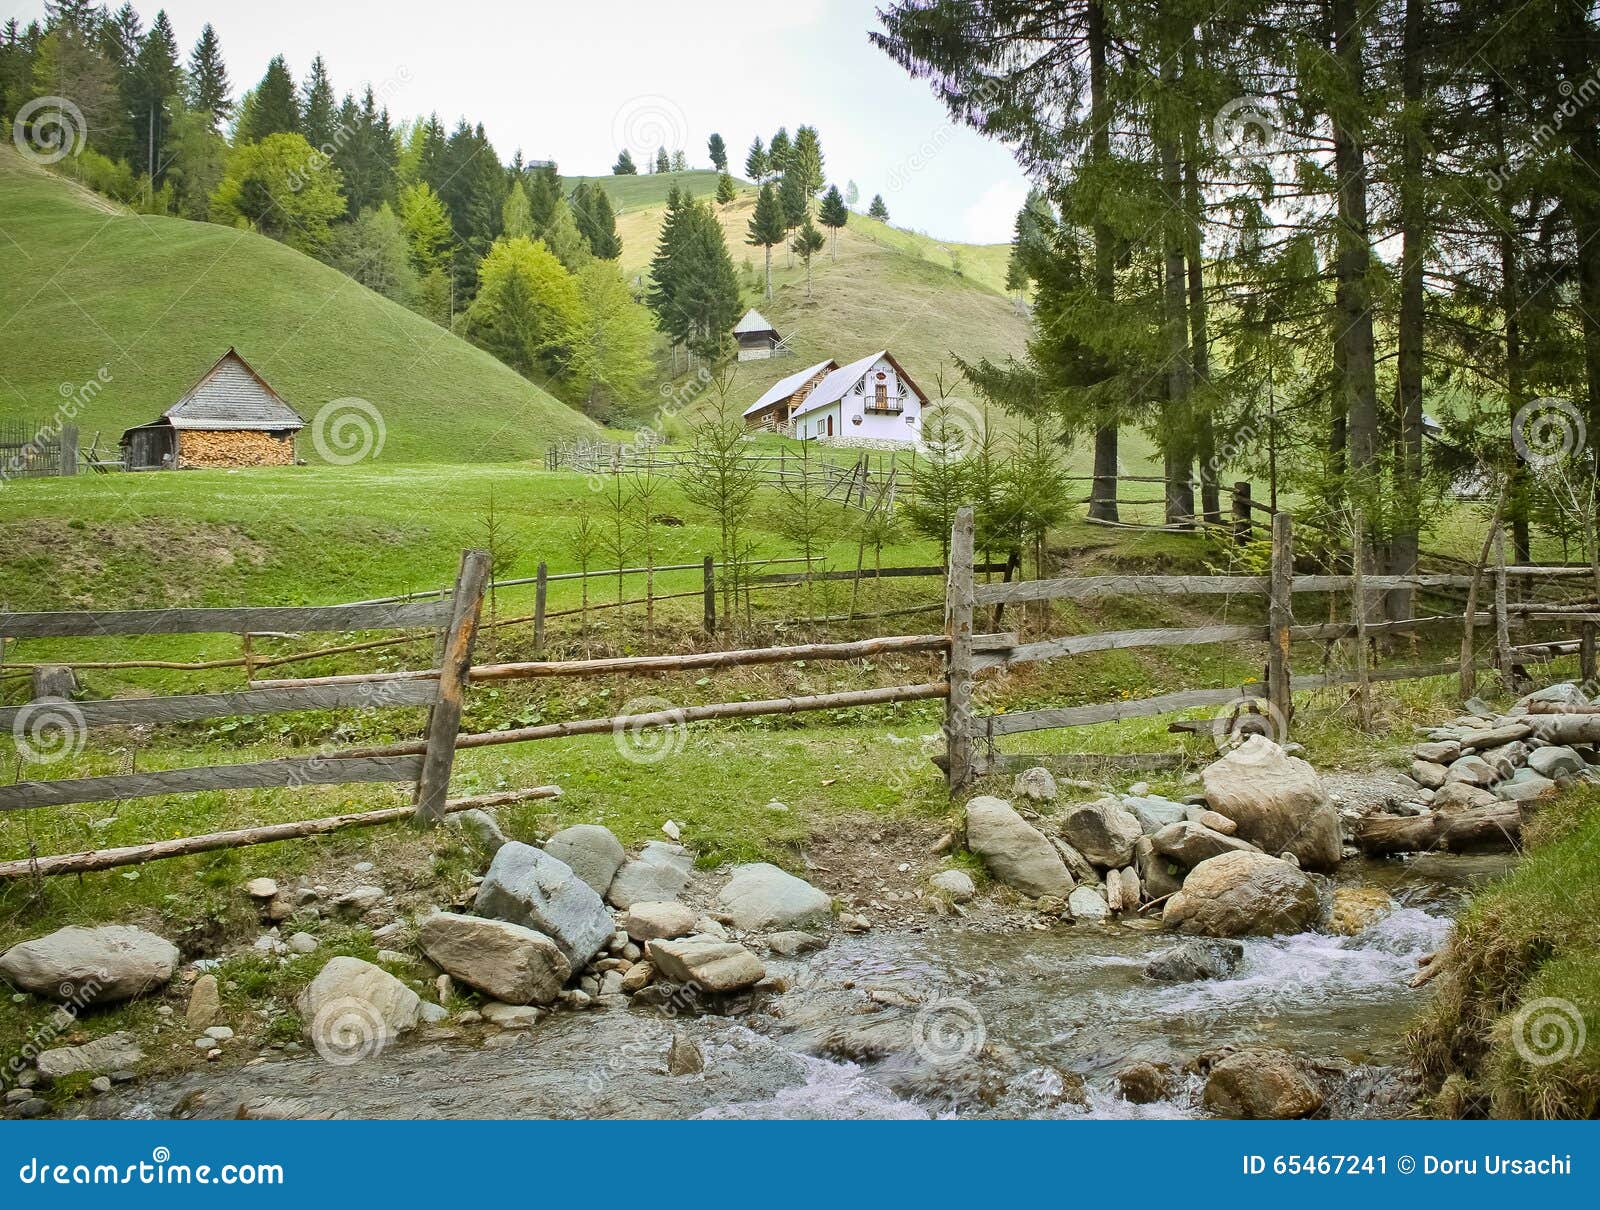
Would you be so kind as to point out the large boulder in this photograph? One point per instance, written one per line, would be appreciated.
(1015, 851)
(1277, 801)
(1190, 843)
(706, 963)
(1244, 895)
(91, 965)
(353, 1009)
(761, 896)
(1194, 959)
(661, 871)
(1103, 831)
(513, 964)
(1260, 1084)
(114, 1052)
(594, 854)
(529, 887)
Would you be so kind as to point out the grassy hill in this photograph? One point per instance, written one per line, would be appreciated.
(648, 189)
(86, 287)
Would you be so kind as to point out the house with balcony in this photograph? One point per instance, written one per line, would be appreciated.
(872, 402)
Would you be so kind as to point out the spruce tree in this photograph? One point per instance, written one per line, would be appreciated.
(319, 115)
(756, 164)
(157, 83)
(662, 163)
(878, 210)
(726, 190)
(807, 243)
(805, 159)
(833, 214)
(767, 228)
(209, 89)
(719, 152)
(624, 165)
(591, 207)
(792, 201)
(274, 107)
(778, 151)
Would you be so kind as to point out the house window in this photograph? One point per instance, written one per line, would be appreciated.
(856, 419)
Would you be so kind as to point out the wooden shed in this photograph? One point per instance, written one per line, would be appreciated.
(757, 338)
(231, 417)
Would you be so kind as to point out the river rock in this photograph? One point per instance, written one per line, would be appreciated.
(1157, 873)
(956, 884)
(529, 887)
(1144, 1083)
(791, 944)
(1086, 903)
(711, 965)
(683, 1056)
(1555, 762)
(355, 1009)
(594, 854)
(513, 964)
(1456, 796)
(1524, 786)
(1103, 831)
(659, 921)
(1358, 908)
(91, 965)
(1278, 802)
(661, 871)
(261, 888)
(205, 1002)
(1428, 774)
(1217, 822)
(114, 1052)
(1562, 693)
(1077, 864)
(1472, 770)
(1195, 959)
(761, 896)
(1015, 851)
(510, 1016)
(1440, 752)
(1242, 895)
(1260, 1084)
(483, 828)
(1036, 785)
(1153, 814)
(1191, 843)
(1131, 889)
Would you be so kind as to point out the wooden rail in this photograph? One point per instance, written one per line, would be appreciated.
(194, 707)
(93, 623)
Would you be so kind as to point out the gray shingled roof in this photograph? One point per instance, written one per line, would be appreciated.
(753, 322)
(231, 395)
(785, 387)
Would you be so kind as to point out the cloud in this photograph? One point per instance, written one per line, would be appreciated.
(991, 219)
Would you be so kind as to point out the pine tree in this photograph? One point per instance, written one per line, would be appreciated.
(694, 290)
(319, 117)
(767, 228)
(878, 210)
(726, 190)
(209, 89)
(756, 164)
(624, 165)
(778, 151)
(157, 84)
(719, 153)
(805, 160)
(591, 207)
(792, 201)
(471, 182)
(273, 108)
(544, 194)
(662, 163)
(807, 243)
(833, 214)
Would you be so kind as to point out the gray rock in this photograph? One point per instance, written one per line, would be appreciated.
(683, 1056)
(1472, 770)
(956, 884)
(1154, 814)
(710, 965)
(1440, 752)
(303, 943)
(1103, 831)
(661, 871)
(1086, 903)
(1195, 959)
(1525, 786)
(359, 901)
(482, 828)
(353, 1009)
(659, 921)
(53, 682)
(1277, 801)
(205, 1002)
(1132, 892)
(761, 896)
(261, 888)
(510, 1016)
(509, 962)
(1015, 851)
(594, 854)
(120, 1049)
(1428, 774)
(1077, 864)
(791, 944)
(1157, 873)
(1191, 843)
(1217, 822)
(1563, 693)
(529, 887)
(1493, 737)
(91, 965)
(1555, 762)
(1459, 796)
(1036, 785)
(1244, 894)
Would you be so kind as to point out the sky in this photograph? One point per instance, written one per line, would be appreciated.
(575, 82)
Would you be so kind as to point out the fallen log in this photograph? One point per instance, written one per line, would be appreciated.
(1568, 728)
(1474, 830)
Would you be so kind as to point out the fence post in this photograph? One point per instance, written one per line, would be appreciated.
(1586, 654)
(1280, 616)
(541, 588)
(958, 721)
(69, 449)
(1241, 512)
(444, 719)
(709, 591)
(1502, 626)
(1358, 557)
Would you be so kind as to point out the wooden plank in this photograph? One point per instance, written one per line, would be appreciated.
(182, 846)
(1413, 672)
(1078, 762)
(293, 771)
(1116, 640)
(188, 708)
(1089, 587)
(444, 720)
(958, 728)
(1105, 712)
(1280, 618)
(94, 623)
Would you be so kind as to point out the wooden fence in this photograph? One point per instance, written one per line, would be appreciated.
(34, 451)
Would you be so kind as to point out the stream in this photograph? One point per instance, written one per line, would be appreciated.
(953, 1020)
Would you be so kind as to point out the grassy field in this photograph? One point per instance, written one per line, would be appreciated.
(646, 189)
(145, 305)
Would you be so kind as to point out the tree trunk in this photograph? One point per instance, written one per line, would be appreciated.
(1205, 437)
(1103, 503)
(769, 272)
(1176, 437)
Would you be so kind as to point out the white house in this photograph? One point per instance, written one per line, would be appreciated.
(871, 402)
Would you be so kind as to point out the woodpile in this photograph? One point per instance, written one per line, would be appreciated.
(207, 448)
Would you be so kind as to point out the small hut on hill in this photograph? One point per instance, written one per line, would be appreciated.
(231, 417)
(757, 338)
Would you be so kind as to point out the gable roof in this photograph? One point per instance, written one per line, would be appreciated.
(785, 387)
(752, 323)
(231, 395)
(837, 384)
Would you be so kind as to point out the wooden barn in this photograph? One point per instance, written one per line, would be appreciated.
(758, 339)
(772, 411)
(231, 417)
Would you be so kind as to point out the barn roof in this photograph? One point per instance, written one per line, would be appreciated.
(837, 384)
(231, 395)
(752, 323)
(785, 387)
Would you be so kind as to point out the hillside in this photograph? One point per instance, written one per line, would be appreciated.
(149, 303)
(648, 189)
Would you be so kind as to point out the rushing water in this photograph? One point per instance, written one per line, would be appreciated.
(952, 1020)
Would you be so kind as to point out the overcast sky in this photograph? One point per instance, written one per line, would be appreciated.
(575, 81)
